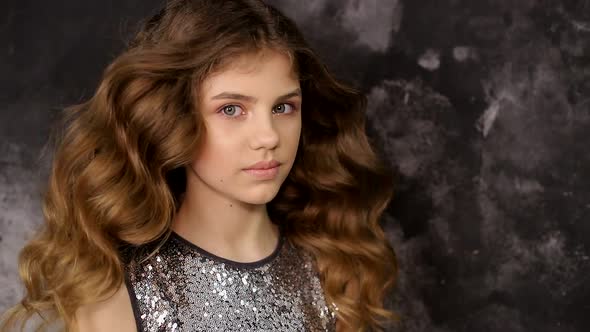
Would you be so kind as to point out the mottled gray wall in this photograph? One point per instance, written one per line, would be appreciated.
(481, 107)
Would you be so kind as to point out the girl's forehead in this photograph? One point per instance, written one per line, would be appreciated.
(264, 69)
(250, 61)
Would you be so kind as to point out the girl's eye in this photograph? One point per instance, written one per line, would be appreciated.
(232, 111)
(283, 108)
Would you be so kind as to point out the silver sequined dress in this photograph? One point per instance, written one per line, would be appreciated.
(185, 288)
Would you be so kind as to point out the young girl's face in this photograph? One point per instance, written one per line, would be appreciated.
(252, 112)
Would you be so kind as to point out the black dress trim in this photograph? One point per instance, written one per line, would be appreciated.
(134, 304)
(230, 262)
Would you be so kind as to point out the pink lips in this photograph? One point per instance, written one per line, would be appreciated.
(264, 165)
(264, 170)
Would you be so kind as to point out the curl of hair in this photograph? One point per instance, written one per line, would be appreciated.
(117, 173)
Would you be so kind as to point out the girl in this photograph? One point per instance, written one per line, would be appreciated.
(220, 178)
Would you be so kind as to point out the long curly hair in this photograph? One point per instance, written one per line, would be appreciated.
(117, 172)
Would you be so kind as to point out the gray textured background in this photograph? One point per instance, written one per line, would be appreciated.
(482, 108)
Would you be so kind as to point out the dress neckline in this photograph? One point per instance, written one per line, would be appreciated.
(230, 262)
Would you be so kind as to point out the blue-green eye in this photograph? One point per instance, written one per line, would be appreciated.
(234, 111)
(286, 104)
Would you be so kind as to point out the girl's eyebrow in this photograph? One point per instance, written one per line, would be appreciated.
(234, 95)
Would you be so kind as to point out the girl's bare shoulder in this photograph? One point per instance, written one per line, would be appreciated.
(113, 314)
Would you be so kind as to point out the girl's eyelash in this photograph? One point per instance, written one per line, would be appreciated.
(229, 116)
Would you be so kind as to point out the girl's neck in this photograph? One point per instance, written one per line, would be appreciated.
(234, 233)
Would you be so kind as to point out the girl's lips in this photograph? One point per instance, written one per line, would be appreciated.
(264, 164)
(264, 174)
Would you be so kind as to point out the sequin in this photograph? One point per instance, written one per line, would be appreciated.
(185, 288)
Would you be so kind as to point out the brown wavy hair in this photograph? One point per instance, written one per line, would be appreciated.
(118, 167)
